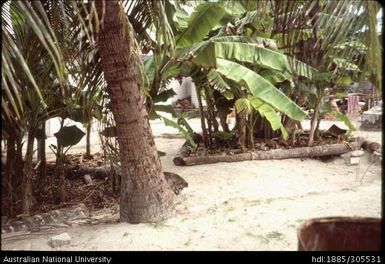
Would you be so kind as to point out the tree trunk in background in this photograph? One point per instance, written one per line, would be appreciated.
(241, 121)
(223, 121)
(10, 169)
(26, 201)
(313, 125)
(202, 116)
(19, 160)
(209, 120)
(145, 194)
(41, 154)
(60, 175)
(262, 128)
(210, 110)
(250, 131)
(88, 140)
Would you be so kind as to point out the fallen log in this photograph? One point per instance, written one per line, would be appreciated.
(101, 173)
(277, 154)
(175, 181)
(370, 146)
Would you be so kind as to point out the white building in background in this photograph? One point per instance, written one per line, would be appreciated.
(183, 89)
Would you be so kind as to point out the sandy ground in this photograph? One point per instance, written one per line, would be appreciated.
(250, 205)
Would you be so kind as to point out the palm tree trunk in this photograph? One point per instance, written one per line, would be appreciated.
(60, 174)
(88, 139)
(19, 159)
(26, 201)
(41, 154)
(145, 195)
(10, 169)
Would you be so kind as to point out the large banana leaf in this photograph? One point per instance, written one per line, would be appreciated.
(186, 53)
(270, 114)
(185, 132)
(234, 8)
(274, 76)
(200, 23)
(163, 96)
(243, 104)
(345, 119)
(260, 88)
(296, 66)
(264, 109)
(300, 68)
(206, 53)
(243, 39)
(180, 19)
(215, 78)
(244, 49)
(254, 54)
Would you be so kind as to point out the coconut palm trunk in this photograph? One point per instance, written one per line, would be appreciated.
(26, 200)
(145, 195)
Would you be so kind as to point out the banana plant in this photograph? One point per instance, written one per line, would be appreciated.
(220, 56)
(330, 36)
(214, 51)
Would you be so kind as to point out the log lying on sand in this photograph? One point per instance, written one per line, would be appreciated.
(101, 173)
(175, 181)
(303, 152)
(370, 146)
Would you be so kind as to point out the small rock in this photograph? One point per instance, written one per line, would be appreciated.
(60, 240)
(206, 234)
(88, 179)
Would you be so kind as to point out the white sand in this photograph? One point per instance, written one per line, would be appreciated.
(250, 205)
